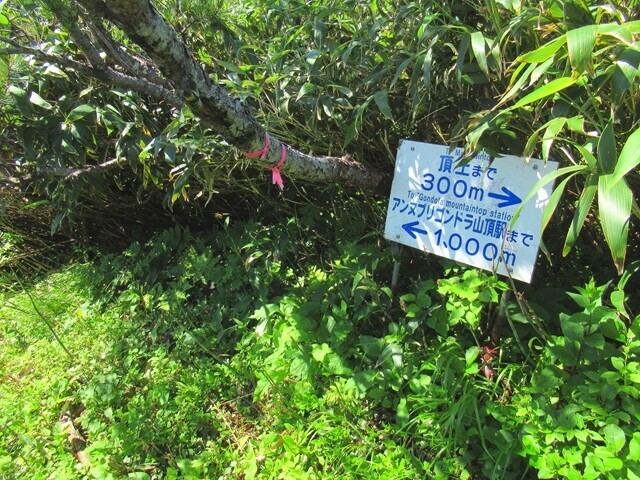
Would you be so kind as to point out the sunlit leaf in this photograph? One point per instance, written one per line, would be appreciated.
(553, 128)
(479, 51)
(305, 89)
(582, 209)
(554, 86)
(614, 437)
(550, 177)
(554, 199)
(629, 157)
(543, 53)
(79, 112)
(625, 72)
(39, 101)
(614, 206)
(580, 43)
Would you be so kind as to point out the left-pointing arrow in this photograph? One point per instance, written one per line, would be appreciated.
(509, 198)
(412, 228)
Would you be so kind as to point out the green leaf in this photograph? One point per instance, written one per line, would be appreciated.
(394, 352)
(3, 19)
(39, 101)
(402, 413)
(625, 73)
(471, 355)
(553, 128)
(607, 153)
(554, 199)
(231, 67)
(478, 43)
(629, 157)
(139, 475)
(580, 43)
(544, 181)
(614, 205)
(571, 329)
(554, 86)
(79, 112)
(634, 447)
(584, 205)
(382, 101)
(305, 89)
(543, 53)
(614, 437)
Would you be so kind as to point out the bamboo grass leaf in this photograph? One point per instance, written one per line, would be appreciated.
(554, 199)
(544, 181)
(629, 157)
(554, 86)
(580, 43)
(607, 153)
(478, 44)
(382, 101)
(543, 53)
(614, 206)
(582, 209)
(553, 128)
(625, 72)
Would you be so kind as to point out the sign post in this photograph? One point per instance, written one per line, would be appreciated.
(464, 212)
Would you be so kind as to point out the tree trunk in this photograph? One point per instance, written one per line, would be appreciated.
(227, 116)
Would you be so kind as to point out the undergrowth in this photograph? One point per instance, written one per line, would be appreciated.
(265, 351)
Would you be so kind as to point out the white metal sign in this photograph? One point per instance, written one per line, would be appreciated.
(465, 212)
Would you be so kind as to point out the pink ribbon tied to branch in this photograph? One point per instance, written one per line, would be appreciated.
(275, 170)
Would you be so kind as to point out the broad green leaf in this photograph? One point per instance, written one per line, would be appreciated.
(553, 128)
(629, 157)
(79, 112)
(39, 101)
(554, 199)
(554, 86)
(382, 101)
(231, 67)
(580, 43)
(614, 205)
(582, 209)
(607, 153)
(400, 70)
(527, 153)
(516, 83)
(544, 181)
(614, 437)
(462, 52)
(634, 447)
(402, 413)
(588, 157)
(625, 72)
(55, 72)
(623, 32)
(305, 89)
(543, 53)
(3, 19)
(479, 51)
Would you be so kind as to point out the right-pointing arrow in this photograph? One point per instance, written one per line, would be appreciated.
(508, 199)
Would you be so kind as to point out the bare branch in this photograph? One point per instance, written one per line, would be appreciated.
(107, 75)
(135, 64)
(66, 173)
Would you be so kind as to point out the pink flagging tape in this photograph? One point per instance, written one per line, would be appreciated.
(262, 153)
(277, 178)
